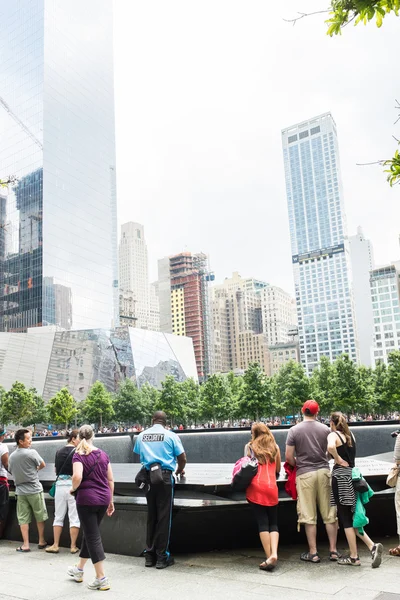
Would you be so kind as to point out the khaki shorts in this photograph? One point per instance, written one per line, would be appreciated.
(31, 503)
(314, 489)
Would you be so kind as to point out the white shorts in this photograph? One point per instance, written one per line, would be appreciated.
(63, 502)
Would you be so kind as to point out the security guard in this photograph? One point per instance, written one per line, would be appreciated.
(159, 451)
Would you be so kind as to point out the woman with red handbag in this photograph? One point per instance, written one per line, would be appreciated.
(262, 493)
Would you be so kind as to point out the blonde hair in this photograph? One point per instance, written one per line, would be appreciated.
(86, 435)
(263, 443)
(339, 421)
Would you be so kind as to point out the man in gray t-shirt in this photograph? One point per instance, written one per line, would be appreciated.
(24, 465)
(306, 449)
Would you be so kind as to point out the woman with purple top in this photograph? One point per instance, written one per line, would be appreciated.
(93, 482)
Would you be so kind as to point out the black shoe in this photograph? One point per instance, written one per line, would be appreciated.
(149, 560)
(163, 563)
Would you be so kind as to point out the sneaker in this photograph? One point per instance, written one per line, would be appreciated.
(149, 559)
(100, 584)
(163, 563)
(348, 561)
(76, 573)
(376, 553)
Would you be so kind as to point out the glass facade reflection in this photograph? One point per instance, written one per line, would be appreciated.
(58, 223)
(50, 360)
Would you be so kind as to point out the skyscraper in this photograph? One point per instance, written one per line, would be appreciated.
(134, 277)
(320, 256)
(59, 262)
(385, 296)
(184, 304)
(362, 263)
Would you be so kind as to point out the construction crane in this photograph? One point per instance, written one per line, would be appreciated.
(20, 123)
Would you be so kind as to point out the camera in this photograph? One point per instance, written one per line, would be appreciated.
(394, 434)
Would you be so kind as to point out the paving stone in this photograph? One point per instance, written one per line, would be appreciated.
(211, 576)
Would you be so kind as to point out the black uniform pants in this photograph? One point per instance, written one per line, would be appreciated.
(160, 500)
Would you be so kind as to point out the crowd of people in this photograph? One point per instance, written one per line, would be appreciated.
(236, 424)
(84, 489)
(340, 495)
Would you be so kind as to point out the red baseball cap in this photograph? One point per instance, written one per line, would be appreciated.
(311, 406)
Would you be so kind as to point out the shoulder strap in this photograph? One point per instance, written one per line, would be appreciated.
(94, 465)
(65, 462)
(340, 438)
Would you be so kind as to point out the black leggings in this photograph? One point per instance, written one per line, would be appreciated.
(266, 517)
(344, 512)
(90, 518)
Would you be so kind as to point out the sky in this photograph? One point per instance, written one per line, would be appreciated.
(202, 91)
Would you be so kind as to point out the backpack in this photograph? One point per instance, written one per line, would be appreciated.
(243, 472)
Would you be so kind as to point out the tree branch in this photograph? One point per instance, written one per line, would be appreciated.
(302, 15)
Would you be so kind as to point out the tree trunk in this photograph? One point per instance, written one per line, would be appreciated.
(101, 420)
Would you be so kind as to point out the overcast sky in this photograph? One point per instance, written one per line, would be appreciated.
(203, 89)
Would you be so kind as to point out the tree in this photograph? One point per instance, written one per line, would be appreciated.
(381, 402)
(343, 12)
(391, 394)
(172, 401)
(62, 408)
(151, 399)
(291, 388)
(191, 398)
(39, 413)
(216, 398)
(130, 406)
(18, 405)
(98, 406)
(347, 391)
(256, 398)
(321, 383)
(2, 394)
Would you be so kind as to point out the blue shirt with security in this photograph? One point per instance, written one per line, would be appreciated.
(158, 444)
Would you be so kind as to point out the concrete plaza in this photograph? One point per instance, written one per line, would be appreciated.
(209, 576)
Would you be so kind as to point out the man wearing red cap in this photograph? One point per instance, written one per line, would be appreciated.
(306, 449)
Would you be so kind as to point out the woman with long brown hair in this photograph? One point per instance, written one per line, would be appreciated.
(342, 448)
(262, 493)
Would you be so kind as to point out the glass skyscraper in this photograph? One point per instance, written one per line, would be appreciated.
(58, 248)
(320, 255)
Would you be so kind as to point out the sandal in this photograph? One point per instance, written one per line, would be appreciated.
(42, 546)
(53, 549)
(266, 566)
(395, 551)
(308, 557)
(21, 549)
(74, 550)
(334, 556)
(347, 560)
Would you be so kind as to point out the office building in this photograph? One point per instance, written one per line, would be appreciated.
(134, 279)
(59, 254)
(281, 354)
(279, 316)
(237, 324)
(320, 256)
(182, 290)
(362, 262)
(385, 296)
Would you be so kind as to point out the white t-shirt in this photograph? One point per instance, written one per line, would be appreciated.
(3, 450)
